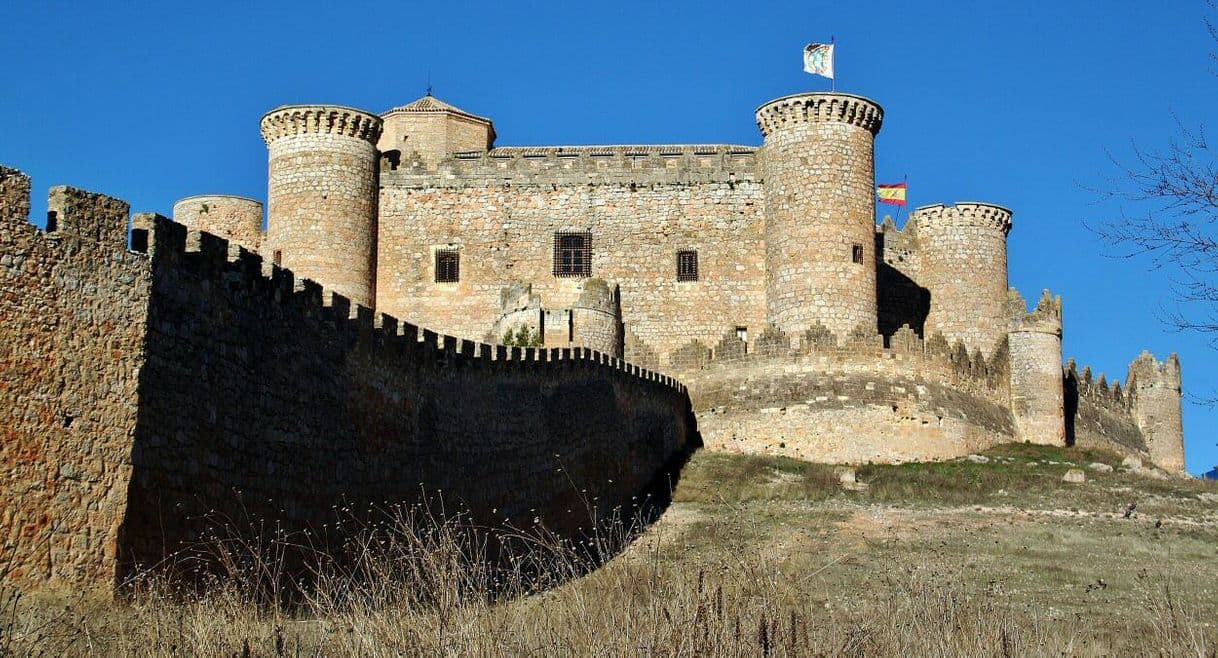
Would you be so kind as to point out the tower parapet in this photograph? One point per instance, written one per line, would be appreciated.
(322, 195)
(236, 218)
(1037, 393)
(964, 266)
(1155, 387)
(818, 160)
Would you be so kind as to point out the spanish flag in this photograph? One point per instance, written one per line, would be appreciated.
(893, 193)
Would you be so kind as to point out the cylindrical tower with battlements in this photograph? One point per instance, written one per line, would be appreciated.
(322, 196)
(1038, 399)
(963, 252)
(1155, 388)
(234, 218)
(819, 165)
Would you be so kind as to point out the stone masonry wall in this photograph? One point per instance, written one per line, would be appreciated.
(259, 397)
(143, 391)
(424, 139)
(73, 305)
(236, 219)
(1098, 415)
(505, 233)
(853, 401)
(900, 299)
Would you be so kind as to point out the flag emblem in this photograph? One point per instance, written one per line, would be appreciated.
(818, 59)
(893, 193)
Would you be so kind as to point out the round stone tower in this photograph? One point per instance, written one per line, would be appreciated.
(322, 196)
(1155, 388)
(1038, 399)
(818, 159)
(964, 266)
(235, 218)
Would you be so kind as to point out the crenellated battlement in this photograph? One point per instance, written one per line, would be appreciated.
(1110, 395)
(87, 215)
(14, 194)
(952, 362)
(900, 245)
(213, 258)
(1147, 370)
(1045, 318)
(854, 110)
(964, 213)
(289, 120)
(577, 165)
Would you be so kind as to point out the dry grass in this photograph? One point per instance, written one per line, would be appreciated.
(757, 557)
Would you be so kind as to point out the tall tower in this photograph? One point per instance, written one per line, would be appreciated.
(322, 196)
(818, 159)
(1155, 388)
(235, 218)
(964, 266)
(1038, 398)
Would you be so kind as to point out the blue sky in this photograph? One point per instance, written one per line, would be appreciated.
(1014, 104)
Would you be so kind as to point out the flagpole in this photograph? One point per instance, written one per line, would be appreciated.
(833, 80)
(905, 180)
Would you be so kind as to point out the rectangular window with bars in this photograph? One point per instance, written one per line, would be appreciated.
(856, 253)
(448, 266)
(572, 254)
(687, 266)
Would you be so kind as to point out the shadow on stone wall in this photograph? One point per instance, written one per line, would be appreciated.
(268, 408)
(900, 301)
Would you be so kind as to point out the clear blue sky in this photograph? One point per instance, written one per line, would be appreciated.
(152, 101)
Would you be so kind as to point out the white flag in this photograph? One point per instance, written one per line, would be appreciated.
(818, 59)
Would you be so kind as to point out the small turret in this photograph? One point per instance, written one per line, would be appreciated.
(431, 129)
(322, 196)
(819, 165)
(1156, 391)
(234, 218)
(964, 266)
(1037, 394)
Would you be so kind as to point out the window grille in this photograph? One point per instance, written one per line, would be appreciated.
(448, 266)
(687, 266)
(572, 254)
(856, 253)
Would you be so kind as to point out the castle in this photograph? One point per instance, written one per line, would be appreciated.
(755, 275)
(154, 371)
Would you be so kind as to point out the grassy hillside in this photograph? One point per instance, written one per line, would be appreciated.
(760, 556)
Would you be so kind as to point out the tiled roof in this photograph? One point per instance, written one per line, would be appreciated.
(430, 103)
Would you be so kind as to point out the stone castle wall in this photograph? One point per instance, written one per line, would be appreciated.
(854, 401)
(505, 232)
(1098, 415)
(73, 307)
(149, 389)
(901, 300)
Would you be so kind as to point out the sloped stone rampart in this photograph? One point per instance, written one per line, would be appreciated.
(855, 404)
